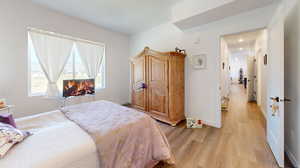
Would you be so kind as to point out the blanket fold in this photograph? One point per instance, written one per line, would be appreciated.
(124, 137)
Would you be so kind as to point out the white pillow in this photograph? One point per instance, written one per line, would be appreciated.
(9, 136)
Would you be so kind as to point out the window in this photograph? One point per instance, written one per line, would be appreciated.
(74, 69)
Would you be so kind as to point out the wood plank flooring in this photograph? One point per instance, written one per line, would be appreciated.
(240, 143)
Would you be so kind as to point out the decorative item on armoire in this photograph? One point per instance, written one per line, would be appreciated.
(198, 61)
(158, 84)
(182, 51)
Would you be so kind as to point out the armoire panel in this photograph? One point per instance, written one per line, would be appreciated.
(158, 85)
(139, 94)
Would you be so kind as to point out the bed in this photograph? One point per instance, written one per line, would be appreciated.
(61, 140)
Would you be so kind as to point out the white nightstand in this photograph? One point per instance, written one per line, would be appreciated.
(7, 109)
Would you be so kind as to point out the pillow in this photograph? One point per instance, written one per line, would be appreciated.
(9, 136)
(8, 119)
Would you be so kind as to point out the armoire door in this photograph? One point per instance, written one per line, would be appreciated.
(158, 85)
(139, 93)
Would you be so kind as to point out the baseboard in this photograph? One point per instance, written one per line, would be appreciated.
(263, 112)
(213, 124)
(291, 156)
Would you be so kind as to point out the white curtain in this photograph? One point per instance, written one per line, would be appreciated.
(91, 56)
(52, 53)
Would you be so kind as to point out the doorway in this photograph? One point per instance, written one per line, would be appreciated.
(242, 61)
(253, 61)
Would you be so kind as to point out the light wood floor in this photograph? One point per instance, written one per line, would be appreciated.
(240, 143)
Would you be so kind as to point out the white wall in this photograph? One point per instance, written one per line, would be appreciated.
(202, 86)
(16, 16)
(292, 83)
(225, 73)
(261, 49)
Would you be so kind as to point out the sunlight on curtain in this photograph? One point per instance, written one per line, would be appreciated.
(52, 53)
(91, 56)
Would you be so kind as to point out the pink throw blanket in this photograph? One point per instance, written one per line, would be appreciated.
(125, 138)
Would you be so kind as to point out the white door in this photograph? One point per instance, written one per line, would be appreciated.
(250, 78)
(275, 112)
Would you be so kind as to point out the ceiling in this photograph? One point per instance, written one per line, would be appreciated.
(127, 16)
(132, 16)
(214, 13)
(242, 41)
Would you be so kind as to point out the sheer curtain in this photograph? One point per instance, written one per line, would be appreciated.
(91, 56)
(52, 53)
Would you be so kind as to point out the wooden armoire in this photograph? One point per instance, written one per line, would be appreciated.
(157, 81)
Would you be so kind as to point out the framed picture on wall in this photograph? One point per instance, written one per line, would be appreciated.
(198, 61)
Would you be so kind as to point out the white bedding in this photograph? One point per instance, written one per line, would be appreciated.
(51, 147)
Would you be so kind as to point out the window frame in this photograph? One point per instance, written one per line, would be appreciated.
(102, 70)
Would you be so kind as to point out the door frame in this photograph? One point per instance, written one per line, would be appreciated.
(219, 116)
(268, 72)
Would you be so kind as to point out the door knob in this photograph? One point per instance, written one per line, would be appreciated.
(140, 86)
(285, 100)
(144, 85)
(275, 99)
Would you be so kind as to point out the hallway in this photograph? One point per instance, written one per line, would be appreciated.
(247, 128)
(240, 143)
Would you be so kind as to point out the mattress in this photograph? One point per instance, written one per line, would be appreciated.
(56, 143)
